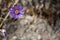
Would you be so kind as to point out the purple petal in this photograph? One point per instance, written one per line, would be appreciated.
(21, 12)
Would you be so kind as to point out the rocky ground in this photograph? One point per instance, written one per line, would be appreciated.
(37, 24)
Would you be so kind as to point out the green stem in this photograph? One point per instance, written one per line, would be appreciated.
(4, 20)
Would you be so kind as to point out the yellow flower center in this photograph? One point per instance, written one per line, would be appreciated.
(16, 11)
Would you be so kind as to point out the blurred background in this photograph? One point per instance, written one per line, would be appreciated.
(41, 20)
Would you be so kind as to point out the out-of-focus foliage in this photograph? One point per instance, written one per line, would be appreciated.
(35, 12)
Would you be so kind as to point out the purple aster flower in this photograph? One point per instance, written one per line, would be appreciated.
(17, 11)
